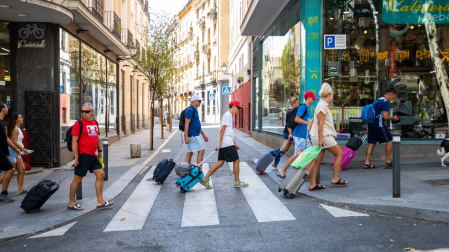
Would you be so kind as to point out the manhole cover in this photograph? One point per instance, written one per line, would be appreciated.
(436, 182)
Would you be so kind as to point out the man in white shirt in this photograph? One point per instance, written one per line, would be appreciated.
(227, 147)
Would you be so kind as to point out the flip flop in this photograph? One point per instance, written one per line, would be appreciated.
(388, 165)
(369, 166)
(106, 204)
(280, 176)
(317, 187)
(75, 207)
(340, 181)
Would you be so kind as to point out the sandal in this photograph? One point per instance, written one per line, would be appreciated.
(106, 204)
(369, 166)
(317, 187)
(75, 207)
(24, 191)
(388, 165)
(340, 181)
(280, 176)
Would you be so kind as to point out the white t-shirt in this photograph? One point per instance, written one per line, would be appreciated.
(228, 137)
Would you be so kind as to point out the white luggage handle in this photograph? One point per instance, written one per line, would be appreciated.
(208, 156)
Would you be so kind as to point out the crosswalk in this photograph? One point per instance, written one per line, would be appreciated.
(200, 204)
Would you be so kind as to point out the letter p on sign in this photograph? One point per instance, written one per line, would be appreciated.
(330, 42)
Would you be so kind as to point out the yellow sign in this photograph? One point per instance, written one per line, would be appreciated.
(313, 3)
(313, 54)
(313, 20)
(445, 54)
(313, 36)
(345, 56)
(7, 78)
(364, 55)
(423, 54)
(402, 55)
(334, 56)
(382, 55)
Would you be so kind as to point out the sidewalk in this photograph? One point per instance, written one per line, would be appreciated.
(122, 169)
(424, 185)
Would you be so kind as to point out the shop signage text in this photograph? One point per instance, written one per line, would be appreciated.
(31, 36)
(415, 11)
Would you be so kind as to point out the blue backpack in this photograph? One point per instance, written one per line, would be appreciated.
(369, 113)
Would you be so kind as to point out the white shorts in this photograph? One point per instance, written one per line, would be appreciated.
(300, 143)
(195, 144)
(329, 141)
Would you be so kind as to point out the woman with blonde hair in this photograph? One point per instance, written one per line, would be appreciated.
(323, 134)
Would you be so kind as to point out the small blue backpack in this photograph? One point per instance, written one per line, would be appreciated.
(369, 113)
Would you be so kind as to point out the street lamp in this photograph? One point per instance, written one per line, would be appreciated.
(223, 67)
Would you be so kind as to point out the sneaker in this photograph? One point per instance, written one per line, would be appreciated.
(240, 184)
(6, 198)
(206, 184)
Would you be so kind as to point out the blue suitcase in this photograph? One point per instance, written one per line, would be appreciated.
(163, 169)
(187, 182)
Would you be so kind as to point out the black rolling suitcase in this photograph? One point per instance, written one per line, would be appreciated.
(38, 195)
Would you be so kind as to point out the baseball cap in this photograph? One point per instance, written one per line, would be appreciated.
(195, 98)
(236, 102)
(310, 94)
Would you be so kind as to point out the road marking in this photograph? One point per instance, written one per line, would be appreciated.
(134, 212)
(55, 232)
(200, 207)
(159, 149)
(338, 212)
(265, 205)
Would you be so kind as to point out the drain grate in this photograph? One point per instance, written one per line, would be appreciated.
(436, 182)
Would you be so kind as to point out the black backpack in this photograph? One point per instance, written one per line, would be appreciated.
(68, 134)
(291, 119)
(182, 119)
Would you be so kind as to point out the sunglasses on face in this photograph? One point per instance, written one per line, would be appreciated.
(85, 111)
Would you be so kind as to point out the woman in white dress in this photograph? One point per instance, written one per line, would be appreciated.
(323, 134)
(15, 134)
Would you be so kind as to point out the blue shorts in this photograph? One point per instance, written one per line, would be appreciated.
(13, 156)
(300, 144)
(286, 137)
(379, 135)
(195, 144)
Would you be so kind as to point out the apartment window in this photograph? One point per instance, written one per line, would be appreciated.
(208, 65)
(203, 38)
(208, 36)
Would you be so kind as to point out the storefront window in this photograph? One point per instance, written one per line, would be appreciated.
(5, 68)
(384, 50)
(112, 97)
(93, 82)
(280, 71)
(69, 94)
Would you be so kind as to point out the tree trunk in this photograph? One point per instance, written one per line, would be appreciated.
(169, 115)
(440, 70)
(152, 123)
(161, 119)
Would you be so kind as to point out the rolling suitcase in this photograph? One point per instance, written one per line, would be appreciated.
(266, 160)
(196, 174)
(163, 169)
(297, 176)
(349, 152)
(40, 193)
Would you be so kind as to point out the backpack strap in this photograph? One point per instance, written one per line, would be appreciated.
(81, 129)
(305, 112)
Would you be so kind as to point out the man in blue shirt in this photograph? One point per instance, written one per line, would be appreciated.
(300, 131)
(377, 132)
(193, 129)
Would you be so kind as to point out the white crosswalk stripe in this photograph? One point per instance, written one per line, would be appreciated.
(134, 212)
(200, 207)
(265, 205)
(338, 212)
(55, 232)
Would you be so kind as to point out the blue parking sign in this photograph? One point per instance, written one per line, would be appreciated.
(337, 41)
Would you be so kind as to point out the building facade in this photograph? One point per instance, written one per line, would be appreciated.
(57, 55)
(203, 46)
(361, 48)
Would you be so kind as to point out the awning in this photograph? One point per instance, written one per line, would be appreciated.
(86, 20)
(34, 11)
(260, 15)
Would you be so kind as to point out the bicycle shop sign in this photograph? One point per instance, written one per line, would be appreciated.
(31, 37)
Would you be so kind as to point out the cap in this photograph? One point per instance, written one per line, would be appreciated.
(236, 102)
(195, 98)
(310, 94)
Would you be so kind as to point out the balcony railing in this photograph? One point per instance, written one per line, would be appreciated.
(201, 22)
(212, 13)
(130, 38)
(124, 36)
(114, 23)
(206, 48)
(97, 8)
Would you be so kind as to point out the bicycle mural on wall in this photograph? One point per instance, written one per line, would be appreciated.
(31, 36)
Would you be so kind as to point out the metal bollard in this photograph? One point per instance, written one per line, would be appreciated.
(105, 158)
(396, 166)
(79, 191)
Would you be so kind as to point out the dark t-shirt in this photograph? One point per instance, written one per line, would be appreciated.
(289, 113)
(3, 142)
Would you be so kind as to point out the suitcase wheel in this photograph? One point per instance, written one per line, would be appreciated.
(290, 196)
(285, 192)
(182, 190)
(279, 190)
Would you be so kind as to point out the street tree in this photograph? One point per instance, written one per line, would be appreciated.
(157, 62)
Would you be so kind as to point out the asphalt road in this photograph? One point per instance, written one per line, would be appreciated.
(313, 228)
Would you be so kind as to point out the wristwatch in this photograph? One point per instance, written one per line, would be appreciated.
(100, 150)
